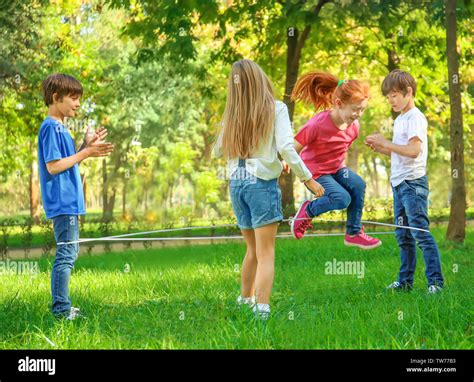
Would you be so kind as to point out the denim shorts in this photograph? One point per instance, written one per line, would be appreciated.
(256, 202)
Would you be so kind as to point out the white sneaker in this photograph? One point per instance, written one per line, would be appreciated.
(394, 285)
(249, 301)
(74, 313)
(261, 314)
(399, 287)
(433, 289)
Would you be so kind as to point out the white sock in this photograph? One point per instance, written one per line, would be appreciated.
(246, 300)
(262, 308)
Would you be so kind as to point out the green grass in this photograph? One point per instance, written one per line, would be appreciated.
(184, 298)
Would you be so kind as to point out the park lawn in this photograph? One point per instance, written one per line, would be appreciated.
(184, 298)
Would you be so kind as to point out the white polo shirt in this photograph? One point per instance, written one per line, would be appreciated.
(406, 126)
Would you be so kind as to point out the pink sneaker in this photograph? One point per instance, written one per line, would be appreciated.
(301, 222)
(362, 240)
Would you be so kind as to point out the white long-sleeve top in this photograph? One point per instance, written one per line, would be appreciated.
(264, 163)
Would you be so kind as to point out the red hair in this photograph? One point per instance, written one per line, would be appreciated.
(321, 89)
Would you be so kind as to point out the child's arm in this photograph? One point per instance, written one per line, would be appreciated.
(382, 145)
(60, 165)
(383, 151)
(95, 148)
(298, 146)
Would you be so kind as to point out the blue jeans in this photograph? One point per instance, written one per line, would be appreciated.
(66, 229)
(344, 189)
(410, 203)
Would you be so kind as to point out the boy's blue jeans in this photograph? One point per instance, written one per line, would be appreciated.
(344, 189)
(66, 229)
(410, 201)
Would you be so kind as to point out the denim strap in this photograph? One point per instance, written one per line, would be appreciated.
(241, 162)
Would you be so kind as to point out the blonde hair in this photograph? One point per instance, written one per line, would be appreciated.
(249, 113)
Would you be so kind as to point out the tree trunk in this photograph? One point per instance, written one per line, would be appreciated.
(34, 187)
(393, 63)
(376, 179)
(292, 66)
(295, 44)
(457, 217)
(393, 59)
(84, 189)
(104, 189)
(353, 159)
(110, 205)
(369, 171)
(146, 199)
(107, 203)
(124, 198)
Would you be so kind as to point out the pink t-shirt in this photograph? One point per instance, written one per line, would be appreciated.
(325, 145)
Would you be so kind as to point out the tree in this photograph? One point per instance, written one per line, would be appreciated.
(18, 41)
(295, 43)
(457, 218)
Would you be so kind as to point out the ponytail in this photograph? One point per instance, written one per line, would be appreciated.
(321, 89)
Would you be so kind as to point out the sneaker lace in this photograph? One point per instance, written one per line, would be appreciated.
(363, 235)
(305, 224)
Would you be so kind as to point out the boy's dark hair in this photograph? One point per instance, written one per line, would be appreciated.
(62, 85)
(398, 81)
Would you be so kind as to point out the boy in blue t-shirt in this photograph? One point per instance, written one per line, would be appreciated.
(61, 187)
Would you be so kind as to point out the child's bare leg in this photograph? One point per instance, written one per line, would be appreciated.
(249, 265)
(265, 240)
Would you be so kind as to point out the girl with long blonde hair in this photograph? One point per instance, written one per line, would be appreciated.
(255, 129)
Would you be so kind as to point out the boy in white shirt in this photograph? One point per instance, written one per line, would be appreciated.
(409, 152)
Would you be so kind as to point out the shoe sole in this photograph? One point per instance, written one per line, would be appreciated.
(242, 306)
(348, 244)
(400, 289)
(293, 222)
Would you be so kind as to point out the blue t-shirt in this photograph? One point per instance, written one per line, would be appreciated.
(62, 193)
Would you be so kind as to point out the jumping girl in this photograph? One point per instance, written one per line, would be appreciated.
(323, 142)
